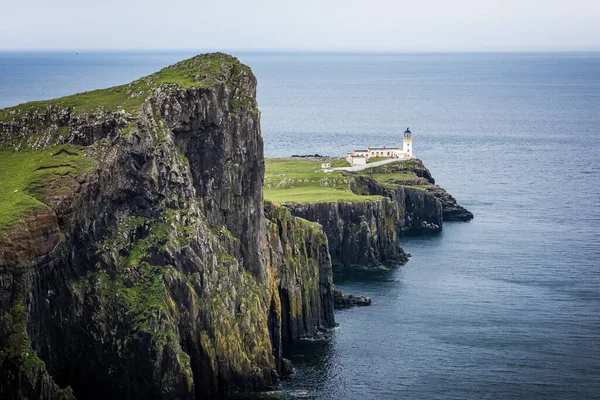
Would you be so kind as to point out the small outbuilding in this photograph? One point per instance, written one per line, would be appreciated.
(325, 165)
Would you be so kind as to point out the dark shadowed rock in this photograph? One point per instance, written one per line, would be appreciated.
(451, 209)
(154, 274)
(360, 233)
(345, 300)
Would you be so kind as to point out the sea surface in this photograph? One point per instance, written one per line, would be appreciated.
(506, 306)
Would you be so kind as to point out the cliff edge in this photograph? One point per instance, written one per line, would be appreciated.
(364, 213)
(136, 260)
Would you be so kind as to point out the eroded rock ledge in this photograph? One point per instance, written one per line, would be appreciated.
(360, 233)
(346, 300)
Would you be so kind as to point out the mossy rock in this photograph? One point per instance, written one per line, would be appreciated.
(29, 177)
(202, 71)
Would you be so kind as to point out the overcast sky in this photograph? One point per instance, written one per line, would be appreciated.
(325, 25)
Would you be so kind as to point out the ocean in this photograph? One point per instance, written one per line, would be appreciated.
(504, 306)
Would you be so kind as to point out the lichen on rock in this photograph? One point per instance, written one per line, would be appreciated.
(151, 271)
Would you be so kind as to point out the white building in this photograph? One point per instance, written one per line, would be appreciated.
(361, 157)
(358, 160)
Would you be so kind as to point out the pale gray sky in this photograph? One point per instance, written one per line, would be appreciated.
(326, 25)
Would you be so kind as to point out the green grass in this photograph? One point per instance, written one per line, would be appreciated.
(27, 177)
(126, 97)
(375, 159)
(197, 72)
(418, 187)
(297, 180)
(312, 195)
(291, 180)
(337, 163)
(391, 178)
(19, 344)
(397, 173)
(399, 166)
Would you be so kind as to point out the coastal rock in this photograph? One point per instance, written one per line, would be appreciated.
(452, 211)
(346, 300)
(149, 270)
(287, 368)
(298, 251)
(419, 208)
(366, 233)
(360, 233)
(422, 212)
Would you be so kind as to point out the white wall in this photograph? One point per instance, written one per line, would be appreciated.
(359, 161)
(408, 147)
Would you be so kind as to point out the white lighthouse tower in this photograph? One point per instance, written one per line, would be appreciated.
(407, 144)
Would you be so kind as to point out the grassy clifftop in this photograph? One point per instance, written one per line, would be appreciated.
(301, 180)
(291, 180)
(201, 71)
(27, 177)
(36, 158)
(409, 173)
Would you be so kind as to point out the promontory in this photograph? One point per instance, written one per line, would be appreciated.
(139, 258)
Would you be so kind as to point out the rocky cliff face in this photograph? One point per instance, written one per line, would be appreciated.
(418, 210)
(426, 205)
(366, 233)
(143, 266)
(298, 251)
(360, 233)
(452, 211)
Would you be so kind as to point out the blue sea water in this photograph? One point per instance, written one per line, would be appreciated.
(505, 306)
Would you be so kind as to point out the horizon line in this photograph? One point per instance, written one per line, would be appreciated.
(293, 51)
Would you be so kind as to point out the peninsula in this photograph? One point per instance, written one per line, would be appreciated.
(363, 212)
(140, 257)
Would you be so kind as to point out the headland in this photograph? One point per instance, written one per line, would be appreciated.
(139, 259)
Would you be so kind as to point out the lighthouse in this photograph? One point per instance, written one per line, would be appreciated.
(362, 157)
(407, 143)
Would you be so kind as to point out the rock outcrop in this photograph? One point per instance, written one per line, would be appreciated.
(367, 233)
(346, 300)
(360, 233)
(418, 210)
(452, 211)
(298, 251)
(426, 205)
(138, 259)
(144, 267)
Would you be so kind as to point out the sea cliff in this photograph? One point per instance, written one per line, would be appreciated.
(360, 233)
(136, 260)
(139, 258)
(363, 213)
